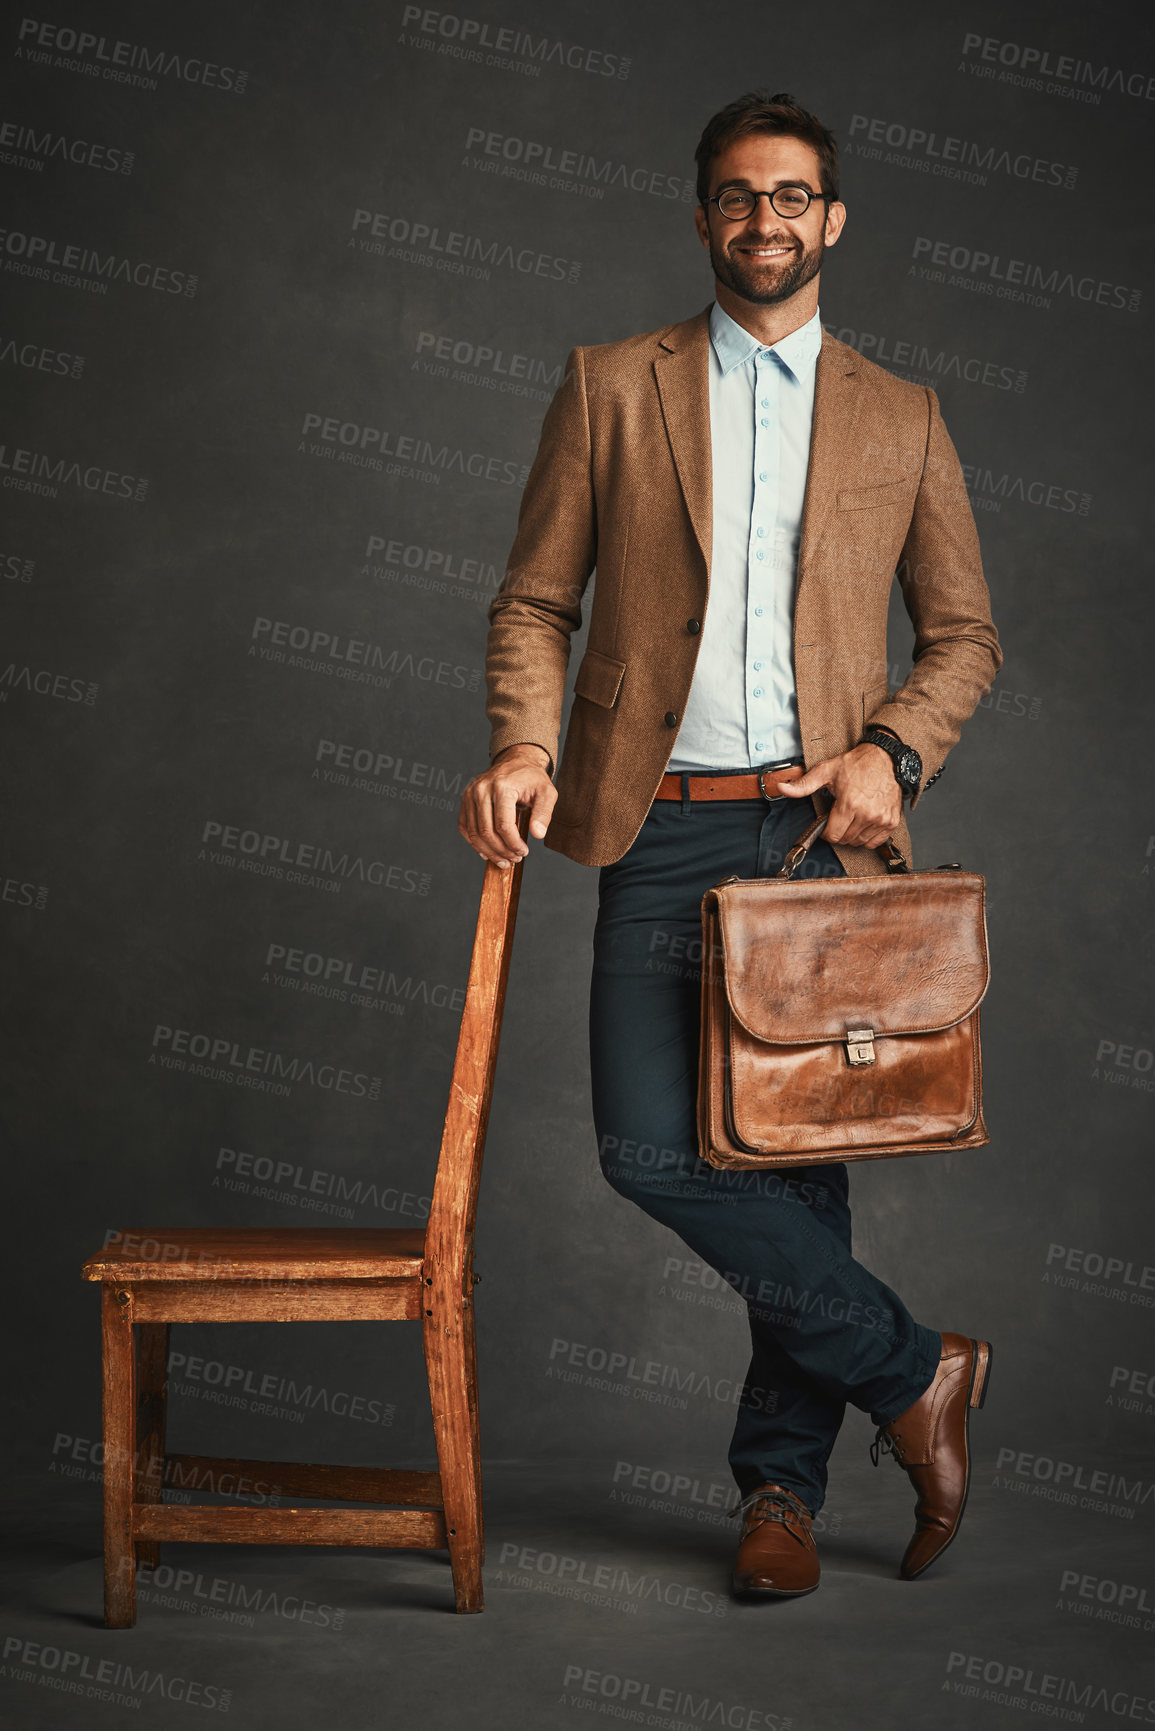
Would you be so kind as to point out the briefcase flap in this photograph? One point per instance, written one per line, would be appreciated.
(808, 959)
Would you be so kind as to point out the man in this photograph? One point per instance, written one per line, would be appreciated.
(747, 488)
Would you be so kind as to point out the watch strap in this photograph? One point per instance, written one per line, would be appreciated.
(895, 748)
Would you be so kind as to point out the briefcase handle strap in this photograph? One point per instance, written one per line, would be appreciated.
(894, 859)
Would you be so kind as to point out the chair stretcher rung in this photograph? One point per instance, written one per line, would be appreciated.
(231, 1477)
(202, 1523)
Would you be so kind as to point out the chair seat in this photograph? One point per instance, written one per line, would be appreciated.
(210, 1253)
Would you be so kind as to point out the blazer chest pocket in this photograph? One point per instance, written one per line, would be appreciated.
(867, 498)
(599, 677)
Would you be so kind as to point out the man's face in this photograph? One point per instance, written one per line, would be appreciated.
(767, 258)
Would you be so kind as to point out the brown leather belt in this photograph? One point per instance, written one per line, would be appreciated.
(759, 784)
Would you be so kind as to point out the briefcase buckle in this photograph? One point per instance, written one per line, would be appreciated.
(860, 1045)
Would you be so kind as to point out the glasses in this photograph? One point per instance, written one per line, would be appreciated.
(736, 203)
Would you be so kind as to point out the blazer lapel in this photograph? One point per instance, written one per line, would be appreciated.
(837, 399)
(682, 371)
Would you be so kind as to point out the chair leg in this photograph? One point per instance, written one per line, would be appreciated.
(474, 1420)
(449, 1383)
(152, 1390)
(119, 1457)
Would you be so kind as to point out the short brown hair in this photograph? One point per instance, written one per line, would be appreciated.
(758, 111)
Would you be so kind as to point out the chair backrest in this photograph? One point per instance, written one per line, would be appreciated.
(451, 1216)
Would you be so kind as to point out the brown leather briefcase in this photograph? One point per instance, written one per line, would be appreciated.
(840, 1016)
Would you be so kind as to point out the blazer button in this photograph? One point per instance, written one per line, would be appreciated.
(671, 718)
(693, 626)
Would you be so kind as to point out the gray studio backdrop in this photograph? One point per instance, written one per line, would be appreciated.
(288, 288)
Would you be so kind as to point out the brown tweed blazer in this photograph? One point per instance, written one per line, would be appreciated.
(622, 480)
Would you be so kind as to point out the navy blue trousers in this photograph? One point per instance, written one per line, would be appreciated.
(824, 1330)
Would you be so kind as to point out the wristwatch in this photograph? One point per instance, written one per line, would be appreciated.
(904, 759)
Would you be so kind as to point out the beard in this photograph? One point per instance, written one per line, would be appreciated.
(764, 282)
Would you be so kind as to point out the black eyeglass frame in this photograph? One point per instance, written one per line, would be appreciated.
(748, 192)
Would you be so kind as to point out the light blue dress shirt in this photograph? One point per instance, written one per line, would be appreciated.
(742, 711)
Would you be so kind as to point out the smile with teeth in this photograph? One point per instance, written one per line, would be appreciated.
(765, 251)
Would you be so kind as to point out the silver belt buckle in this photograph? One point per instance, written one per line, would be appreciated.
(770, 798)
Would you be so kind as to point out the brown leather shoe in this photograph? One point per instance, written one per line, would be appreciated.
(776, 1555)
(931, 1440)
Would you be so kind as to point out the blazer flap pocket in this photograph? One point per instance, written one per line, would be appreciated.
(599, 678)
(889, 493)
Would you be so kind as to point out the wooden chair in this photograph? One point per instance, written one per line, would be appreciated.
(150, 1279)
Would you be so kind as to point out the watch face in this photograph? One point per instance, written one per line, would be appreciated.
(910, 767)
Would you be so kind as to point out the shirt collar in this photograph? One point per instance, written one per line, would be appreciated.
(734, 345)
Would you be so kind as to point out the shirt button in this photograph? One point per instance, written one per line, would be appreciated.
(761, 533)
(757, 691)
(693, 626)
(759, 555)
(757, 667)
(758, 612)
(765, 421)
(765, 403)
(759, 745)
(762, 475)
(671, 718)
